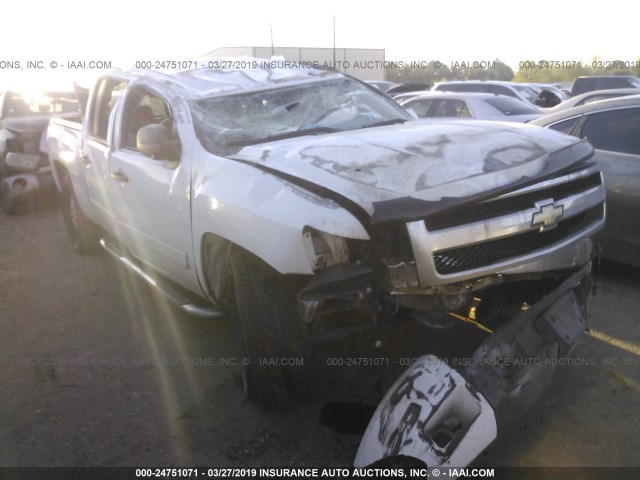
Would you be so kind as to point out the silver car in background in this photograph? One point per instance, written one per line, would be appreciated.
(510, 89)
(590, 97)
(480, 106)
(536, 94)
(613, 128)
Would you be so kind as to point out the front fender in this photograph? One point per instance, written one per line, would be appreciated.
(262, 213)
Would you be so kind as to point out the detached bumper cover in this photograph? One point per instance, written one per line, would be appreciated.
(446, 418)
(431, 413)
(23, 187)
(515, 365)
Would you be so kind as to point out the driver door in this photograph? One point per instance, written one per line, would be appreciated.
(150, 196)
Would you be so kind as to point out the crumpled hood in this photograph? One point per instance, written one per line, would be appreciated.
(417, 160)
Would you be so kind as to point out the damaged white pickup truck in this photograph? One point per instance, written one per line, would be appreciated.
(308, 205)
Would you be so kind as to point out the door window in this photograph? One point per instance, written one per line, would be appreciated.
(421, 107)
(614, 131)
(143, 108)
(108, 91)
(451, 108)
(564, 126)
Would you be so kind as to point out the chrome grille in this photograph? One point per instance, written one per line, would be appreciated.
(504, 234)
(503, 249)
(505, 206)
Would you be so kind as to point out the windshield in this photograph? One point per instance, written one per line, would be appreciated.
(225, 124)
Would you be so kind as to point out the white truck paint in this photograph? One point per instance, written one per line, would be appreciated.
(284, 196)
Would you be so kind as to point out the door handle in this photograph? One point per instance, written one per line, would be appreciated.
(85, 159)
(119, 176)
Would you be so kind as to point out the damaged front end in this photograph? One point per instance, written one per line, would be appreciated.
(517, 265)
(351, 276)
(506, 251)
(446, 417)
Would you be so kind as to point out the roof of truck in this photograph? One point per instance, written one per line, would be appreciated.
(233, 75)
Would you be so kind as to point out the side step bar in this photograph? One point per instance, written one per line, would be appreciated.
(179, 299)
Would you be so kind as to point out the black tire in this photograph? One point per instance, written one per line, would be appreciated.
(498, 307)
(81, 231)
(264, 309)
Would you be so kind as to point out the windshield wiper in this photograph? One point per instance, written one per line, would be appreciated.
(386, 122)
(283, 136)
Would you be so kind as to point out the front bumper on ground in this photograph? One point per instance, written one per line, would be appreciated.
(23, 180)
(23, 188)
(446, 418)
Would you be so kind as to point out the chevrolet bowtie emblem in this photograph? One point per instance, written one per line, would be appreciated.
(547, 216)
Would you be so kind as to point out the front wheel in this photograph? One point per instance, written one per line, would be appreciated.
(80, 230)
(272, 334)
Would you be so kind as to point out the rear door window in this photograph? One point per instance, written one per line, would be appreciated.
(421, 107)
(564, 126)
(107, 93)
(451, 108)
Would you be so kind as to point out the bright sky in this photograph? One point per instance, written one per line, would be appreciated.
(123, 31)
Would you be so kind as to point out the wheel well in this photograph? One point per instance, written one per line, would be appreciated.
(60, 171)
(215, 252)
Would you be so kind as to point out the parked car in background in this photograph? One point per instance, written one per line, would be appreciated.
(481, 106)
(403, 97)
(562, 94)
(382, 84)
(559, 95)
(407, 87)
(24, 167)
(613, 128)
(590, 97)
(603, 82)
(520, 91)
(564, 87)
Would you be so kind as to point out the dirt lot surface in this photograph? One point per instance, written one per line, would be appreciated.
(96, 370)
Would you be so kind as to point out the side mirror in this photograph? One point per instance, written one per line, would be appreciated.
(153, 141)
